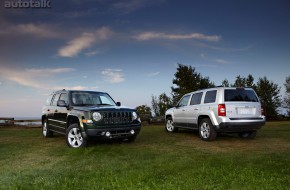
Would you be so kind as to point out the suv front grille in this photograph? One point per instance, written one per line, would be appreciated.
(117, 117)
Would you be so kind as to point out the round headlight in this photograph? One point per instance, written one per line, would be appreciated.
(134, 116)
(97, 116)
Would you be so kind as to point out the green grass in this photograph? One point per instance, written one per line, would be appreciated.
(156, 160)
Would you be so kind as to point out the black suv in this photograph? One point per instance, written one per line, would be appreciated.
(84, 115)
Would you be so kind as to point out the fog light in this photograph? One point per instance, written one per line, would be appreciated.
(108, 134)
(132, 132)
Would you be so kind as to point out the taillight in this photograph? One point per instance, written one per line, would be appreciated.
(262, 111)
(222, 110)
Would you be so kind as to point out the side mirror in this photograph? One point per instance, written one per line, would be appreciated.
(61, 103)
(118, 103)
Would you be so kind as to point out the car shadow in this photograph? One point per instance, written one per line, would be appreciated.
(219, 136)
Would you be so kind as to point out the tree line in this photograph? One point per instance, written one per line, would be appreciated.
(187, 79)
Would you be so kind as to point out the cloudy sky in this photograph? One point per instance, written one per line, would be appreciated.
(130, 48)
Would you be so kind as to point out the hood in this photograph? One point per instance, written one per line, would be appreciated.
(103, 108)
(170, 110)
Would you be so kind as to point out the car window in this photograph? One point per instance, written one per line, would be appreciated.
(240, 95)
(210, 96)
(48, 101)
(196, 98)
(55, 99)
(184, 101)
(64, 97)
(105, 100)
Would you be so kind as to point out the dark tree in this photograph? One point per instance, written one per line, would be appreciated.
(240, 81)
(287, 94)
(244, 82)
(144, 110)
(164, 103)
(225, 83)
(268, 93)
(187, 80)
(160, 104)
(250, 81)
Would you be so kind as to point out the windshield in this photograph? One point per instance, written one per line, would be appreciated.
(91, 99)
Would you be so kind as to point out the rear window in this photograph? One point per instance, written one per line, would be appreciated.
(240, 95)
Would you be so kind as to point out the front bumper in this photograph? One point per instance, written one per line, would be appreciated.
(114, 132)
(239, 126)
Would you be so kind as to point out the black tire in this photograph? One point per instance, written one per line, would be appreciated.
(248, 135)
(46, 132)
(169, 125)
(74, 138)
(206, 130)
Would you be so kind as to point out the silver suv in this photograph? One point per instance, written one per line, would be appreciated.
(220, 109)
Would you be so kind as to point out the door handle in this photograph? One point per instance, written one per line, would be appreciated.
(196, 109)
(48, 110)
(55, 111)
(183, 110)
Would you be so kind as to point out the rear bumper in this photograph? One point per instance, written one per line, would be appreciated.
(116, 132)
(239, 126)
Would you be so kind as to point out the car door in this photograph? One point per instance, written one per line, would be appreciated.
(179, 111)
(51, 119)
(60, 113)
(191, 111)
(46, 110)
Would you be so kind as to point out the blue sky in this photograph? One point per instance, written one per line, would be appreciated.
(130, 48)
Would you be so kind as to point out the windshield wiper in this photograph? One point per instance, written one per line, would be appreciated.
(104, 104)
(84, 104)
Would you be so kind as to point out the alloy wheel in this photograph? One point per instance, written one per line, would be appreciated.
(75, 138)
(44, 129)
(169, 125)
(204, 130)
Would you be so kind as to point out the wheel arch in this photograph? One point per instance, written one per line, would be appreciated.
(71, 119)
(43, 117)
(201, 117)
(206, 132)
(168, 115)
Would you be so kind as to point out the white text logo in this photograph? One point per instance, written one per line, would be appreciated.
(28, 4)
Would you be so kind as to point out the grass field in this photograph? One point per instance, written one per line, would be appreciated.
(156, 160)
